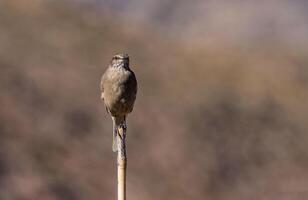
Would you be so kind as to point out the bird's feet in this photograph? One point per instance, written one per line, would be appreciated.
(124, 127)
(122, 130)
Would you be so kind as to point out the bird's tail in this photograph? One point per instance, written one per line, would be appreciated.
(114, 135)
(117, 122)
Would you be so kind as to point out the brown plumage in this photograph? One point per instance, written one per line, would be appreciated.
(118, 90)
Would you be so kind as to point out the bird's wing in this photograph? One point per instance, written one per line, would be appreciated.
(102, 85)
(103, 79)
(133, 85)
(136, 84)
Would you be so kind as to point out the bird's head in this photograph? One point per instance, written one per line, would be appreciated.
(120, 60)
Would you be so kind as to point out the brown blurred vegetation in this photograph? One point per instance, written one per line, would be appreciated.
(212, 120)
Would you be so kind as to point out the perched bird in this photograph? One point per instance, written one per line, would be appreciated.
(118, 91)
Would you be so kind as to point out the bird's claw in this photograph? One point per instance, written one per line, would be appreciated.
(122, 127)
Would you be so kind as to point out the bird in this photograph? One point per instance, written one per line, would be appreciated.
(118, 92)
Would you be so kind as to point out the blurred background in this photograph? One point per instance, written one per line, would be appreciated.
(221, 111)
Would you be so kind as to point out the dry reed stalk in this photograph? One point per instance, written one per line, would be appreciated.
(122, 159)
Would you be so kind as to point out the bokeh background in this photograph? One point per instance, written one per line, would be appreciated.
(221, 111)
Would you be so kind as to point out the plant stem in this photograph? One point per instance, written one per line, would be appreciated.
(121, 164)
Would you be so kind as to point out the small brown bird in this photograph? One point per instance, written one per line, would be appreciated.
(118, 90)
